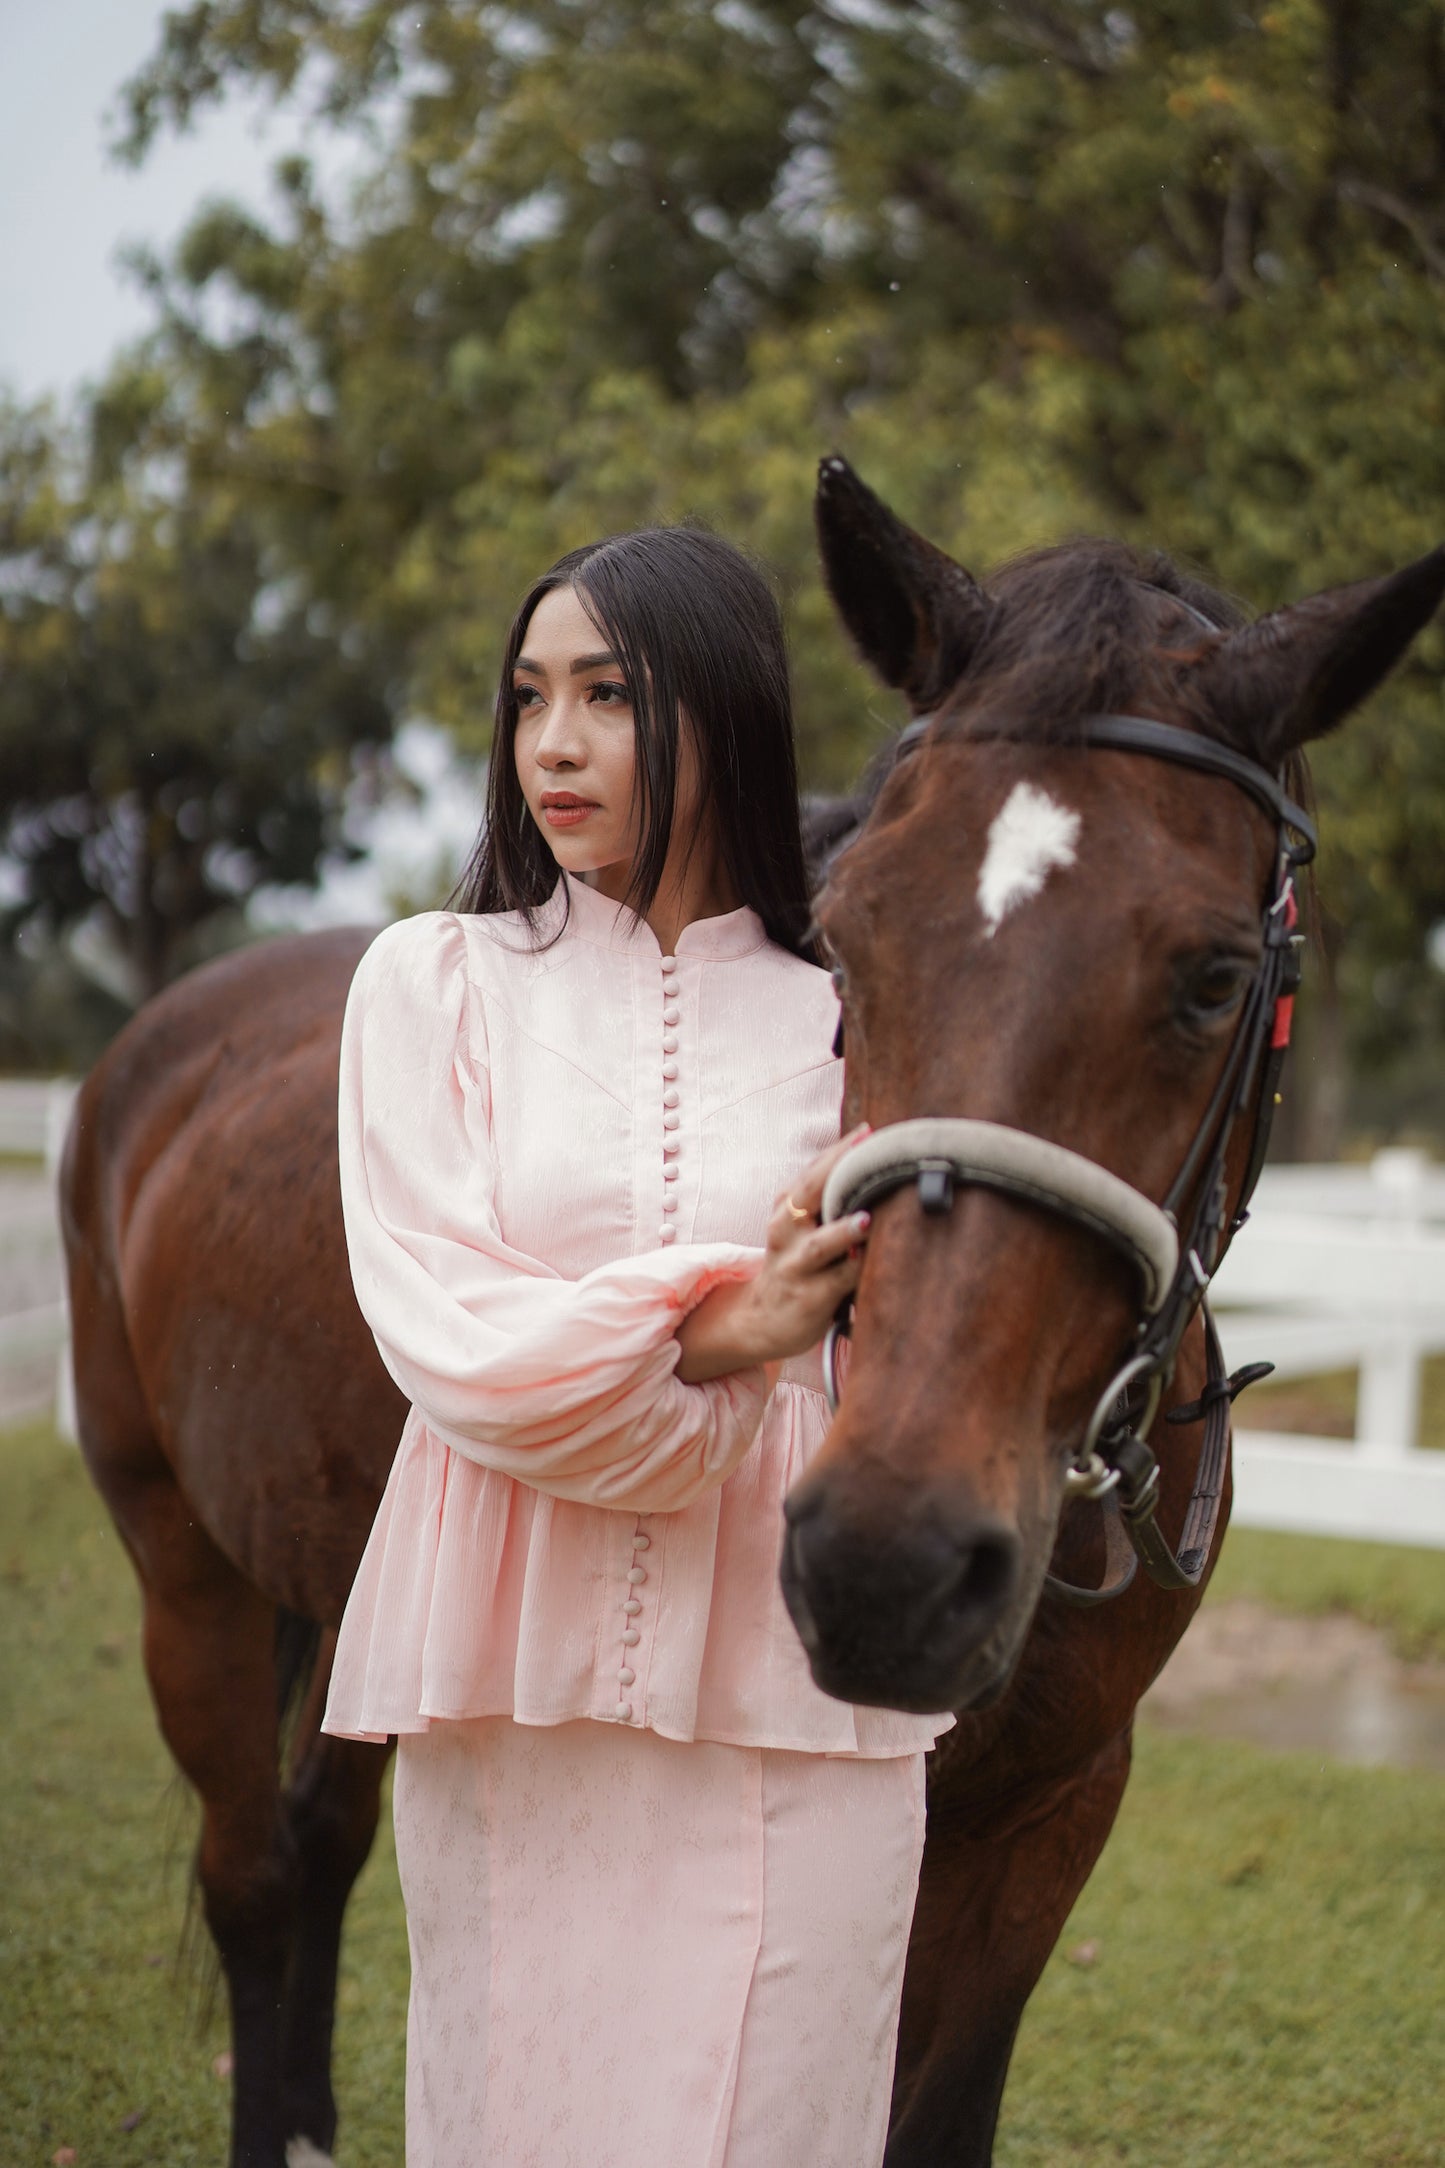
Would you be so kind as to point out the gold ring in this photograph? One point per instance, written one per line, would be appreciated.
(798, 1212)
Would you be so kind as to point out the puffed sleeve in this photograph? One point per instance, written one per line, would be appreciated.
(566, 1384)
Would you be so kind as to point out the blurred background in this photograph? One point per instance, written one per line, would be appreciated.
(326, 324)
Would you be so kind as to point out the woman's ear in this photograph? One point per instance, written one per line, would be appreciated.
(916, 616)
(1297, 673)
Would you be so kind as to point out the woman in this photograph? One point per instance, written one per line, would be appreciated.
(658, 1886)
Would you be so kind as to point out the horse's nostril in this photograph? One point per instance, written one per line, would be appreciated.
(985, 1577)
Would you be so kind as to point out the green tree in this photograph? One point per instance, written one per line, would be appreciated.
(1170, 268)
(175, 728)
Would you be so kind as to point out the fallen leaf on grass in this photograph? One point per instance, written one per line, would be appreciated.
(64, 2156)
(133, 2120)
(1083, 1954)
(223, 2064)
(155, 1963)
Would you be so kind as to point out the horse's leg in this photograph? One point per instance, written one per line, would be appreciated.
(331, 1807)
(209, 1653)
(989, 1912)
(209, 1647)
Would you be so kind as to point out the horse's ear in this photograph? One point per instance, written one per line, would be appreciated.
(1295, 674)
(916, 616)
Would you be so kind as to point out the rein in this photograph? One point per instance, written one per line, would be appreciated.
(1175, 1254)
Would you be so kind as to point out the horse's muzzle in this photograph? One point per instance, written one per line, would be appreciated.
(916, 1618)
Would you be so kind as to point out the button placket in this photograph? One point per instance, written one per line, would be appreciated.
(632, 1611)
(671, 1097)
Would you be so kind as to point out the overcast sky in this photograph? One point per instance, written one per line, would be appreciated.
(66, 207)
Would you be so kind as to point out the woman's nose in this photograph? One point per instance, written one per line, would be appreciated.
(558, 743)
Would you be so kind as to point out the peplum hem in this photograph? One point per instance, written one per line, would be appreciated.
(479, 1596)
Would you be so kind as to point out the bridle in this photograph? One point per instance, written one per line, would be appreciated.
(1174, 1245)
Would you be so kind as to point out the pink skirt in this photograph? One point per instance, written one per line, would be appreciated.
(626, 1949)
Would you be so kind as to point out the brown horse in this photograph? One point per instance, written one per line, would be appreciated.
(238, 1421)
(1098, 1009)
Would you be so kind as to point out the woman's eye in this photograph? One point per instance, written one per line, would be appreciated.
(527, 696)
(608, 694)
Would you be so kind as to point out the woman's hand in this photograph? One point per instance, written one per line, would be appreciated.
(806, 1271)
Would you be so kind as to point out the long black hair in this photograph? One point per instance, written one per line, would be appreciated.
(697, 632)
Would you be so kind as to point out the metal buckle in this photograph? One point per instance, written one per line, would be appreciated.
(1089, 1477)
(1090, 1474)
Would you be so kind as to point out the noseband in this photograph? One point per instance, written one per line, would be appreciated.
(937, 1153)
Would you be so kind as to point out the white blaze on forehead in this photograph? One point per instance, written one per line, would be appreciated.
(1030, 836)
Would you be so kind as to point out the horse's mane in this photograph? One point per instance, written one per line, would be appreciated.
(1075, 631)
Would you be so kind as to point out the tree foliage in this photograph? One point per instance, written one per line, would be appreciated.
(1172, 269)
(173, 724)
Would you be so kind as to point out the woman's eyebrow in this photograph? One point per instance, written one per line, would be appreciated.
(575, 669)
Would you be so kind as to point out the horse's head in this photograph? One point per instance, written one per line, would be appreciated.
(1058, 937)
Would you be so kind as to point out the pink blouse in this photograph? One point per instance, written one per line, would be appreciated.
(549, 1155)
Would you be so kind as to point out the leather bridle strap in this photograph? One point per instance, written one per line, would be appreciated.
(1131, 1534)
(1141, 734)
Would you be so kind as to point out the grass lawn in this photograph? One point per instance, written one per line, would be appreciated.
(1266, 1985)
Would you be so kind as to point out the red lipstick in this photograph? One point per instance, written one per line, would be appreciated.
(564, 809)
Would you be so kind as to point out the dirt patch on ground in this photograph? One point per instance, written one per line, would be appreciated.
(1244, 1647)
(1330, 1685)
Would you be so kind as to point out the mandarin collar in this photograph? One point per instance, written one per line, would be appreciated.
(594, 917)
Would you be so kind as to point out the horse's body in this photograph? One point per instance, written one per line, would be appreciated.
(237, 1419)
(239, 1423)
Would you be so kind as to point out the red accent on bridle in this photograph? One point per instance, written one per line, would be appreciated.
(1284, 1007)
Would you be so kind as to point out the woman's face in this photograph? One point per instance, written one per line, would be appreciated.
(575, 754)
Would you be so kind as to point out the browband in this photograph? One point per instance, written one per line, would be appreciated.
(1141, 734)
(1166, 741)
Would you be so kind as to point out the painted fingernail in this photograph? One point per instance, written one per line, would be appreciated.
(862, 1221)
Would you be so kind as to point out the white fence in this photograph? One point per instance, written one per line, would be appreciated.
(34, 1349)
(1340, 1268)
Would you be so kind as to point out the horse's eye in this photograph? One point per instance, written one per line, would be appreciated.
(1212, 988)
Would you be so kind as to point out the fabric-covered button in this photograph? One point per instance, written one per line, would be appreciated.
(669, 963)
(669, 1203)
(626, 1676)
(624, 1711)
(630, 1637)
(637, 1575)
(670, 1120)
(666, 1234)
(641, 1542)
(669, 1174)
(670, 1096)
(669, 1042)
(671, 1013)
(631, 1607)
(669, 1149)
(669, 1070)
